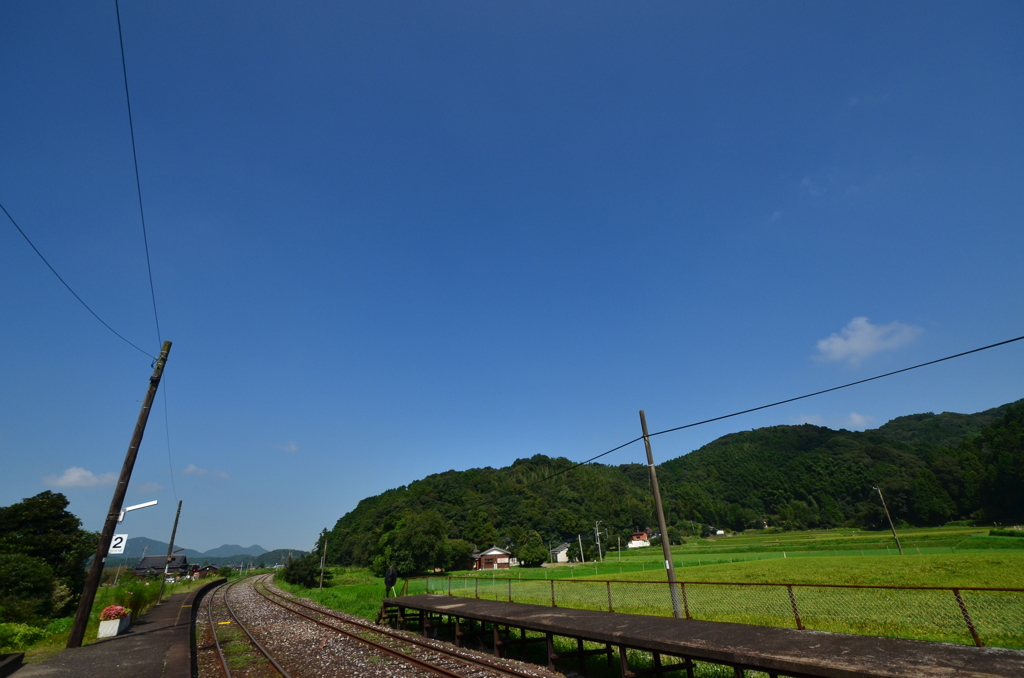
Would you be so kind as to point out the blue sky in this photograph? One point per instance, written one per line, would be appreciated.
(392, 239)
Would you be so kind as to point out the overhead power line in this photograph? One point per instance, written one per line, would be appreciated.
(145, 237)
(138, 184)
(755, 409)
(64, 282)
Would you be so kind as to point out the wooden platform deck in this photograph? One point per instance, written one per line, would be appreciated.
(778, 652)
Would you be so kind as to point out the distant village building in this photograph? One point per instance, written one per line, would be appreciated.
(639, 540)
(154, 565)
(560, 554)
(493, 558)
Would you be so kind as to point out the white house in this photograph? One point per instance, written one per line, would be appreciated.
(493, 558)
(638, 540)
(560, 554)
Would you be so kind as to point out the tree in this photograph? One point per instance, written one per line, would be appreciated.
(534, 552)
(304, 571)
(40, 527)
(26, 588)
(418, 544)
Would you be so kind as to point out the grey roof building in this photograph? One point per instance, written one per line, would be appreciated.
(151, 565)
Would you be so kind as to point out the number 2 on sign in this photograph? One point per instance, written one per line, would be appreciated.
(117, 544)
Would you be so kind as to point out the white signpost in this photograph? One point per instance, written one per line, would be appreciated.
(117, 544)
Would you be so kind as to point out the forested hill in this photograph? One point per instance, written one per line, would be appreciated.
(932, 469)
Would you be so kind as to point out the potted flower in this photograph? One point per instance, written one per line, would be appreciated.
(114, 620)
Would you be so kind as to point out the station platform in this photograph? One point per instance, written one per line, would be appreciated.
(776, 651)
(158, 645)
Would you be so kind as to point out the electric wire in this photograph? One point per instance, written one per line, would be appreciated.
(754, 409)
(145, 236)
(836, 388)
(64, 282)
(138, 183)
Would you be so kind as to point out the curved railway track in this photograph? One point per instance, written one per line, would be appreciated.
(223, 589)
(459, 665)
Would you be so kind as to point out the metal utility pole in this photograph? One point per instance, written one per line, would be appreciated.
(597, 539)
(583, 558)
(323, 559)
(677, 609)
(170, 552)
(893, 527)
(92, 581)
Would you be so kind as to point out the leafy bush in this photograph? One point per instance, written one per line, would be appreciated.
(26, 588)
(137, 597)
(304, 571)
(225, 572)
(1006, 533)
(19, 636)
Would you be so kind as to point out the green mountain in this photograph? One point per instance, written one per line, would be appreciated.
(932, 469)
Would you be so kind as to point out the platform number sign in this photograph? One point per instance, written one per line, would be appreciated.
(117, 544)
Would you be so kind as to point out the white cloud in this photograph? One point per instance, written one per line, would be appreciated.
(860, 339)
(193, 470)
(815, 419)
(291, 447)
(857, 421)
(77, 476)
(775, 216)
(148, 488)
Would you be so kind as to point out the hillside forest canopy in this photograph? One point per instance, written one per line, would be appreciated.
(932, 469)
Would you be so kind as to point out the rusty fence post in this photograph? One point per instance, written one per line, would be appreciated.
(609, 585)
(553, 593)
(967, 618)
(686, 603)
(796, 612)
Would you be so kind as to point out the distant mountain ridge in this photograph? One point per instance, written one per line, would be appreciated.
(136, 546)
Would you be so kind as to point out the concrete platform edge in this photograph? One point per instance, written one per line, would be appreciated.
(181, 656)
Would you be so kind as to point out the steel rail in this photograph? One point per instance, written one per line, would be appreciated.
(242, 626)
(384, 648)
(213, 630)
(482, 661)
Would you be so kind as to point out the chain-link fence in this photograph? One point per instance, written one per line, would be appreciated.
(982, 616)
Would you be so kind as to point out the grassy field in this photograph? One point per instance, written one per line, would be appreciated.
(827, 557)
(352, 589)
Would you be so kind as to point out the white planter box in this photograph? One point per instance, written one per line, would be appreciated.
(114, 627)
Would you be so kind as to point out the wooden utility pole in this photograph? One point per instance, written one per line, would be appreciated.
(323, 560)
(170, 553)
(891, 526)
(677, 610)
(92, 581)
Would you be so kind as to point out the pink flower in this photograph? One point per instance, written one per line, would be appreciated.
(113, 612)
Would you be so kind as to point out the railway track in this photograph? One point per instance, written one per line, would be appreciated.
(473, 661)
(223, 590)
(363, 645)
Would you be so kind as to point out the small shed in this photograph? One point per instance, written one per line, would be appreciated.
(560, 554)
(493, 558)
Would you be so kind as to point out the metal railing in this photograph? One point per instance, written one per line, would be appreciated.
(967, 615)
